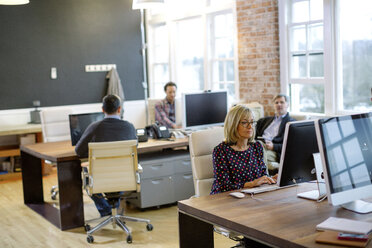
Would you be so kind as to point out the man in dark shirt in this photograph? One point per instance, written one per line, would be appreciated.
(271, 130)
(111, 128)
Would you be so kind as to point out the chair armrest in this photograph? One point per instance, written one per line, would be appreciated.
(87, 180)
(138, 177)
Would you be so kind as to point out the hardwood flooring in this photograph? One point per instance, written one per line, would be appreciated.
(22, 227)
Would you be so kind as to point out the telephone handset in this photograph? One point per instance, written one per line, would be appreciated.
(158, 131)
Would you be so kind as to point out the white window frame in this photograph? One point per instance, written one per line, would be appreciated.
(333, 92)
(171, 21)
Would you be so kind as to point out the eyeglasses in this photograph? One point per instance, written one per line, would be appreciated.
(248, 123)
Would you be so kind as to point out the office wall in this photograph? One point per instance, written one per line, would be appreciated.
(67, 34)
(258, 49)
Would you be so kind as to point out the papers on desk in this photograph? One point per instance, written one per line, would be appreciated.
(345, 225)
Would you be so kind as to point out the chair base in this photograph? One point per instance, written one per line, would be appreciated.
(115, 219)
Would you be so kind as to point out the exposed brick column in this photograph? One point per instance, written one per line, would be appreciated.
(258, 49)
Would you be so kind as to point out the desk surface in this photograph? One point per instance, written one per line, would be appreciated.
(279, 218)
(64, 151)
(19, 129)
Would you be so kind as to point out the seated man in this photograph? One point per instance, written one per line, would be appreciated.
(111, 128)
(271, 130)
(165, 111)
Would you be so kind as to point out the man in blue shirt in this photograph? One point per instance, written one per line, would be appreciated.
(271, 130)
(111, 128)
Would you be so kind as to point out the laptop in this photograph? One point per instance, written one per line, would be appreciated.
(80, 122)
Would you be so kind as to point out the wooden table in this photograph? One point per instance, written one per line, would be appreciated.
(6, 151)
(70, 213)
(278, 218)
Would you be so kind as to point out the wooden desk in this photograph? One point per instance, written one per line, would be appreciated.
(277, 218)
(70, 213)
(6, 151)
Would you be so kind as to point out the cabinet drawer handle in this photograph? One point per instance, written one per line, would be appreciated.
(156, 167)
(156, 181)
(187, 176)
(186, 162)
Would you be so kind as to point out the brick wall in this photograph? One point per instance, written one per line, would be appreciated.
(258, 49)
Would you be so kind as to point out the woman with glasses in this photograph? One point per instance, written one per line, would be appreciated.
(238, 162)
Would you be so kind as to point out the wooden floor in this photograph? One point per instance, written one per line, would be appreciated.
(22, 227)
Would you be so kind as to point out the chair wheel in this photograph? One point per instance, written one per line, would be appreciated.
(87, 227)
(90, 239)
(129, 239)
(149, 227)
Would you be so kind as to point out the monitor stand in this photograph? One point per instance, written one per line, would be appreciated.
(321, 191)
(311, 195)
(359, 206)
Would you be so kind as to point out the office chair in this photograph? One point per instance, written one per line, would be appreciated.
(55, 127)
(256, 108)
(201, 148)
(113, 168)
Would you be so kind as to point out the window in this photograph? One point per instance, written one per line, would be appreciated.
(326, 66)
(355, 46)
(193, 44)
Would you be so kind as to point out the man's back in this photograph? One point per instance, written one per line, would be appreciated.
(108, 129)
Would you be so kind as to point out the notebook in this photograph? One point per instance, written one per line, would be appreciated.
(345, 225)
(330, 237)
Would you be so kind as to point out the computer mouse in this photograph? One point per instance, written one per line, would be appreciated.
(237, 194)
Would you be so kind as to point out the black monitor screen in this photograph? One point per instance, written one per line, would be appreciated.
(204, 109)
(347, 144)
(80, 122)
(297, 160)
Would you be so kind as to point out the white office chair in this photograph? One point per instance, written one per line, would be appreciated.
(201, 148)
(113, 168)
(257, 109)
(55, 124)
(55, 127)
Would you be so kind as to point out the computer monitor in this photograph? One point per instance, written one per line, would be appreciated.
(204, 109)
(80, 122)
(345, 146)
(296, 161)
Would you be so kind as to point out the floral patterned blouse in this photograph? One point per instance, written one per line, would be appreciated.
(232, 169)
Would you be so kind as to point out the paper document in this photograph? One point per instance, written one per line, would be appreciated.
(345, 225)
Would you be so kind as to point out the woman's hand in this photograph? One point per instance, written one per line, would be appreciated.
(260, 181)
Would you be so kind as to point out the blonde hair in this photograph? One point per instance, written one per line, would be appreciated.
(232, 121)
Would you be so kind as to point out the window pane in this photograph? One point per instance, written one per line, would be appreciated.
(161, 73)
(189, 47)
(316, 37)
(316, 10)
(298, 68)
(230, 71)
(300, 11)
(316, 65)
(224, 48)
(298, 38)
(307, 98)
(356, 45)
(160, 44)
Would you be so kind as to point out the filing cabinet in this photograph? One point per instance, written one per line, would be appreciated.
(166, 178)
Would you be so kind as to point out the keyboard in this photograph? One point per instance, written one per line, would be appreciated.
(265, 188)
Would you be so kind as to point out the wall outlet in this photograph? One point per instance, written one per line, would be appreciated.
(53, 73)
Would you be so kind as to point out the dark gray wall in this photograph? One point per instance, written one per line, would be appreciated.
(67, 34)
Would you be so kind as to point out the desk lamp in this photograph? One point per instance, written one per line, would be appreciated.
(142, 5)
(35, 114)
